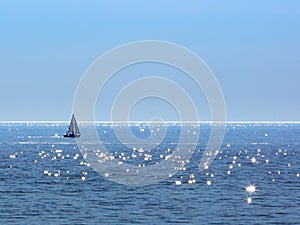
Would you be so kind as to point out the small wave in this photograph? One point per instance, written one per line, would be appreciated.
(39, 143)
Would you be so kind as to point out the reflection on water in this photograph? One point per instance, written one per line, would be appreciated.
(255, 178)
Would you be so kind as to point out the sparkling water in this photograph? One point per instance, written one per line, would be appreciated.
(254, 179)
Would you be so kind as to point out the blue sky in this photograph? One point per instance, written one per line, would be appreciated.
(253, 47)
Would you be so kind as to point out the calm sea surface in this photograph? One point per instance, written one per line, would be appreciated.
(255, 178)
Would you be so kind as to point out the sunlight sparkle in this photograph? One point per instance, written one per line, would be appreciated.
(251, 188)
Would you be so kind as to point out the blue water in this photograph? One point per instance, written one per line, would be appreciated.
(45, 180)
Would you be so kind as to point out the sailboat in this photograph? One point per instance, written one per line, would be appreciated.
(73, 130)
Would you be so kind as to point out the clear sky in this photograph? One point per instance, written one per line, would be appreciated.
(253, 47)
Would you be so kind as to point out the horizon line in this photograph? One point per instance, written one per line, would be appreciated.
(167, 121)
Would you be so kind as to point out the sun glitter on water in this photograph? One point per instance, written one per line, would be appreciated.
(249, 200)
(251, 189)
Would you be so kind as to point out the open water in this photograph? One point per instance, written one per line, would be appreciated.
(254, 179)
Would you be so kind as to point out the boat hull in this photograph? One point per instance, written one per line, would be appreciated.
(71, 135)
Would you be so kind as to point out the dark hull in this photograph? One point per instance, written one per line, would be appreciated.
(71, 135)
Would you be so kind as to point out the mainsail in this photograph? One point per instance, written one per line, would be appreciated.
(73, 130)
